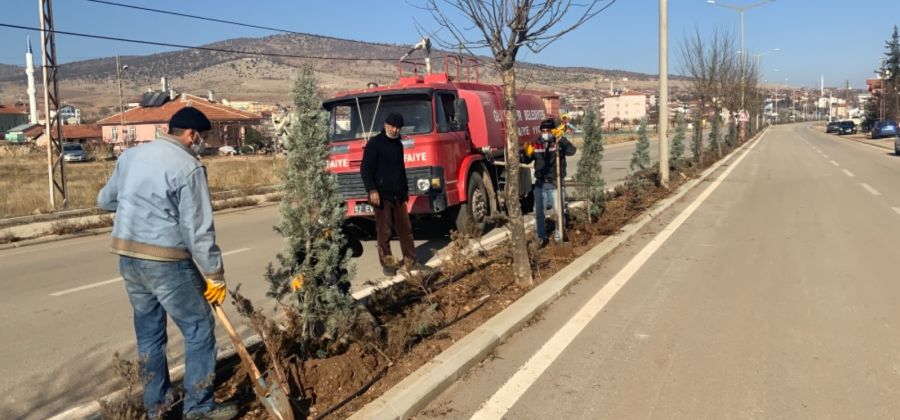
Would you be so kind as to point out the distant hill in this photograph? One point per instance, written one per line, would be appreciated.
(91, 84)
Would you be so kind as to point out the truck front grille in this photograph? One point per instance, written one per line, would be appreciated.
(350, 184)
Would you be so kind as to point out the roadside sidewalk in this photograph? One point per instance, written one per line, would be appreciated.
(885, 143)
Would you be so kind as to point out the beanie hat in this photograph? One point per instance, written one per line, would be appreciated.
(394, 119)
(189, 117)
(548, 124)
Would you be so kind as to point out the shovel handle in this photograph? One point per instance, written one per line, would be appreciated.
(238, 344)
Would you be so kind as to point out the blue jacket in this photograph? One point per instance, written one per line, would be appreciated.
(163, 211)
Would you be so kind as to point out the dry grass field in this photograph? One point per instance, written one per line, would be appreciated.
(24, 188)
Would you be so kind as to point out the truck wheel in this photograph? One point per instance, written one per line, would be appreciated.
(473, 215)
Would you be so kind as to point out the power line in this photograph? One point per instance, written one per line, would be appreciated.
(217, 20)
(190, 47)
(166, 12)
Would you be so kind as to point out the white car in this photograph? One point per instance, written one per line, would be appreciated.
(227, 151)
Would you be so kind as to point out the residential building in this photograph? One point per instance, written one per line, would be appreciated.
(24, 133)
(627, 107)
(150, 120)
(11, 116)
(250, 106)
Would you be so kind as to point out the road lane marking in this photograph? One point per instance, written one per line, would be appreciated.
(87, 286)
(118, 279)
(896, 209)
(848, 173)
(869, 189)
(825, 156)
(835, 163)
(225, 254)
(508, 394)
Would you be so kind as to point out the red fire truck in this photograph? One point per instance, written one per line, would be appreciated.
(454, 141)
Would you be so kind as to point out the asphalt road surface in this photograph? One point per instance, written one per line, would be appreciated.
(65, 312)
(770, 294)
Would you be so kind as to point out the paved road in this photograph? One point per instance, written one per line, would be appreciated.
(65, 311)
(776, 298)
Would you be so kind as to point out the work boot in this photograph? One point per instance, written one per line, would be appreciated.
(220, 412)
(389, 270)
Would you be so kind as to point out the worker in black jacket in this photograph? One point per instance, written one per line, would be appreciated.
(384, 176)
(543, 153)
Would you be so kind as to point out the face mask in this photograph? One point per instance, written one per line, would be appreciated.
(546, 136)
(197, 146)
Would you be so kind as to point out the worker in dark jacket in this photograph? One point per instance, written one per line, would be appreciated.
(543, 153)
(384, 176)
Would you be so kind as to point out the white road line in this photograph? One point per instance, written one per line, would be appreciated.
(225, 254)
(500, 403)
(825, 156)
(87, 286)
(896, 209)
(118, 279)
(869, 188)
(848, 173)
(835, 163)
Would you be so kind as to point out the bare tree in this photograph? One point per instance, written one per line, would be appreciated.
(505, 27)
(712, 65)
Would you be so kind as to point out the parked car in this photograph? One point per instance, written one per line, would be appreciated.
(883, 129)
(74, 152)
(833, 127)
(847, 127)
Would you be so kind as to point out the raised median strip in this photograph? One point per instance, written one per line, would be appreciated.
(413, 393)
(423, 385)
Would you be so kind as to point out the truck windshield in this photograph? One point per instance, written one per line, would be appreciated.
(346, 123)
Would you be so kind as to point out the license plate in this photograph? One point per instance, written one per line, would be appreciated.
(363, 208)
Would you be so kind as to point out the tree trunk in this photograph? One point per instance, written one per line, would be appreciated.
(521, 263)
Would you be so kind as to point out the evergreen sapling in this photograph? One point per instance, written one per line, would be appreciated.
(315, 268)
(713, 140)
(640, 159)
(677, 153)
(590, 168)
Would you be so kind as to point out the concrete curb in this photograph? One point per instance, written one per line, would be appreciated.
(868, 142)
(417, 390)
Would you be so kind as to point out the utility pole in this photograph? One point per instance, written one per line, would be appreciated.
(52, 127)
(663, 103)
(121, 102)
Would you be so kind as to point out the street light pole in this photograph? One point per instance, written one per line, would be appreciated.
(121, 101)
(663, 102)
(740, 10)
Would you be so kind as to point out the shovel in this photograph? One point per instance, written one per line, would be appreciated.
(271, 394)
(563, 248)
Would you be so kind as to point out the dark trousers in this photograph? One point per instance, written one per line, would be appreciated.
(394, 212)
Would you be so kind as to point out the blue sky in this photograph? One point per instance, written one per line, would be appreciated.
(842, 40)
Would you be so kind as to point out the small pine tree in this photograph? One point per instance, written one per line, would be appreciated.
(590, 168)
(315, 267)
(713, 140)
(697, 140)
(677, 153)
(641, 157)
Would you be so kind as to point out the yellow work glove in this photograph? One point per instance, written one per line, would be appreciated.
(529, 149)
(215, 291)
(297, 283)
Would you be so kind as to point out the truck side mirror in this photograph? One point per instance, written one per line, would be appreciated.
(461, 112)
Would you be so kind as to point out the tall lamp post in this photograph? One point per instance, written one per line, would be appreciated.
(663, 103)
(759, 71)
(740, 10)
(119, 69)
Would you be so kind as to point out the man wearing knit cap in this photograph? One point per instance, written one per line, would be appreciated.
(384, 176)
(166, 242)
